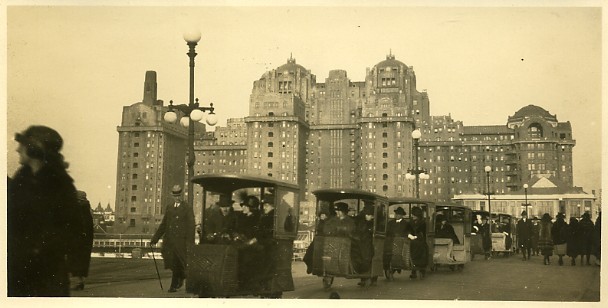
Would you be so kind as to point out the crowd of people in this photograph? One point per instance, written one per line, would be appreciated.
(336, 222)
(547, 237)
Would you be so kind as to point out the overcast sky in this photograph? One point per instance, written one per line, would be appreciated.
(73, 68)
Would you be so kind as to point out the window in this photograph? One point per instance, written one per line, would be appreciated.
(136, 144)
(270, 134)
(269, 165)
(133, 198)
(270, 154)
(133, 187)
(134, 176)
(135, 165)
(270, 144)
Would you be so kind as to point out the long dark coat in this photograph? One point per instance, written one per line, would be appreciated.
(177, 231)
(79, 258)
(597, 237)
(525, 230)
(559, 232)
(573, 238)
(362, 248)
(587, 227)
(545, 240)
(419, 249)
(42, 222)
(486, 237)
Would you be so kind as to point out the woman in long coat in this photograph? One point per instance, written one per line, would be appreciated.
(573, 241)
(42, 217)
(545, 241)
(419, 250)
(559, 234)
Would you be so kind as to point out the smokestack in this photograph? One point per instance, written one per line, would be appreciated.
(150, 88)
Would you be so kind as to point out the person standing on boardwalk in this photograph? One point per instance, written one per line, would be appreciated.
(43, 219)
(486, 237)
(545, 240)
(559, 234)
(177, 231)
(587, 227)
(573, 240)
(418, 247)
(524, 235)
(79, 258)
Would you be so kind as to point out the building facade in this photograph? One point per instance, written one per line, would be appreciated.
(338, 134)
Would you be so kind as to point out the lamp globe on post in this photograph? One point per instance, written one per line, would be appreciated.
(192, 36)
(487, 170)
(170, 117)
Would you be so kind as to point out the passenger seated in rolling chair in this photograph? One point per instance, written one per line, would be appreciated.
(445, 230)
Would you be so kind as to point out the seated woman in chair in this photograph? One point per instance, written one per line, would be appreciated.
(445, 230)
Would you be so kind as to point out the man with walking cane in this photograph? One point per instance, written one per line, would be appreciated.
(177, 231)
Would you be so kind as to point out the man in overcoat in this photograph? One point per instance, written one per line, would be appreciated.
(177, 231)
(396, 228)
(419, 248)
(524, 235)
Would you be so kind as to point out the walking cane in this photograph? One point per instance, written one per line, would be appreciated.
(156, 266)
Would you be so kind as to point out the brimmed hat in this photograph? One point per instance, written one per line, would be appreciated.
(586, 215)
(416, 211)
(546, 217)
(177, 190)
(399, 210)
(524, 213)
(441, 217)
(560, 215)
(341, 207)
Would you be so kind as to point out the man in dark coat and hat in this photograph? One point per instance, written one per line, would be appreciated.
(220, 222)
(524, 235)
(362, 249)
(177, 231)
(418, 246)
(43, 218)
(396, 228)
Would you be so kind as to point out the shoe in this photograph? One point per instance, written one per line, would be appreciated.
(180, 283)
(172, 290)
(78, 287)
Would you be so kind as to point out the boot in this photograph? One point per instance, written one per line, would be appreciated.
(413, 275)
(545, 261)
(573, 262)
(560, 261)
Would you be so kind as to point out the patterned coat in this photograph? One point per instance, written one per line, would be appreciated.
(177, 231)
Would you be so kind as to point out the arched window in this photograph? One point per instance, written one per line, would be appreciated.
(535, 130)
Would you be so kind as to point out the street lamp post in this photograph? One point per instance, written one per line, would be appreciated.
(192, 112)
(488, 169)
(526, 196)
(416, 174)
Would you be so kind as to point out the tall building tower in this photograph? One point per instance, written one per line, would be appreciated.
(151, 159)
(391, 110)
(276, 127)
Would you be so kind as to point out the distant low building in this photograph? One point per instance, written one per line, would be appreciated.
(545, 194)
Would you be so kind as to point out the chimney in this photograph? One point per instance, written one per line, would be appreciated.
(150, 88)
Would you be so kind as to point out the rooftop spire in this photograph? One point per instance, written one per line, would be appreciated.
(390, 55)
